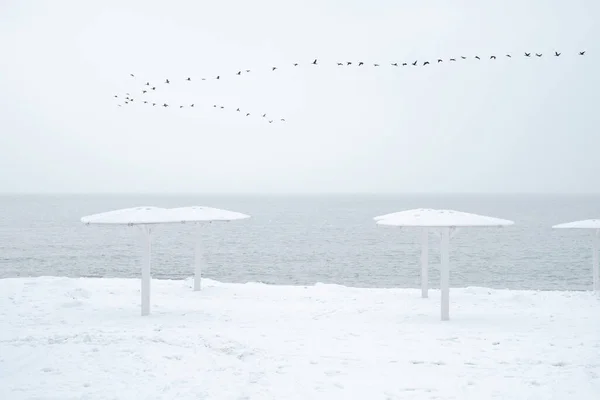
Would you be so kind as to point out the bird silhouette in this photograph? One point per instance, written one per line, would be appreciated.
(477, 57)
(180, 106)
(247, 115)
(119, 105)
(556, 54)
(126, 102)
(295, 64)
(218, 76)
(425, 63)
(463, 57)
(360, 63)
(274, 68)
(222, 107)
(153, 87)
(116, 96)
(439, 60)
(188, 79)
(270, 121)
(214, 106)
(165, 105)
(538, 55)
(153, 104)
(340, 64)
(145, 102)
(492, 57)
(349, 63)
(239, 73)
(167, 81)
(264, 115)
(132, 75)
(247, 70)
(237, 110)
(415, 63)
(191, 105)
(527, 54)
(144, 91)
(404, 64)
(376, 65)
(581, 53)
(395, 64)
(509, 56)
(453, 59)
(282, 120)
(147, 83)
(315, 62)
(127, 94)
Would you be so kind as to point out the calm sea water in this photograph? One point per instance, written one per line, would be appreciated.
(305, 239)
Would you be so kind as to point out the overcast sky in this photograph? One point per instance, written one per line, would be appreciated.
(505, 125)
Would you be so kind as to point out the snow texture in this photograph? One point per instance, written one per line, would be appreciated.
(64, 338)
(157, 215)
(585, 224)
(425, 217)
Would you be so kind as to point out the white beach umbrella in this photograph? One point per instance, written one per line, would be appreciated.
(446, 221)
(594, 225)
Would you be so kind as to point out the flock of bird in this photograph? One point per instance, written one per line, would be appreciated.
(150, 88)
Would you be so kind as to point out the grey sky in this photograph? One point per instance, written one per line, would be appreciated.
(518, 125)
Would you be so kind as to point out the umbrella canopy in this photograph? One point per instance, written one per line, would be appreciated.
(128, 216)
(426, 217)
(584, 224)
(202, 214)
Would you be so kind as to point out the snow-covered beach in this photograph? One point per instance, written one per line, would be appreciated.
(64, 338)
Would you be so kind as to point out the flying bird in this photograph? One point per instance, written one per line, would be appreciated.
(145, 102)
(415, 63)
(153, 104)
(340, 64)
(404, 64)
(538, 55)
(582, 53)
(360, 63)
(147, 83)
(119, 105)
(349, 63)
(527, 54)
(453, 59)
(167, 81)
(426, 62)
(395, 64)
(144, 91)
(180, 106)
(239, 73)
(237, 110)
(116, 96)
(492, 57)
(191, 105)
(165, 105)
(153, 87)
(247, 70)
(295, 64)
(376, 65)
(218, 76)
(463, 57)
(315, 62)
(509, 56)
(132, 75)
(270, 121)
(222, 107)
(477, 57)
(274, 68)
(247, 115)
(556, 54)
(264, 115)
(282, 120)
(439, 60)
(188, 79)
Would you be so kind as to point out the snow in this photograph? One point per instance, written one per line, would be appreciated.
(127, 216)
(65, 338)
(157, 215)
(425, 217)
(585, 224)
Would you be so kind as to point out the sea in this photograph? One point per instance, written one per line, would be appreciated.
(305, 239)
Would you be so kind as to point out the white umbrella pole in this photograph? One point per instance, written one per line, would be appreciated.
(445, 273)
(198, 260)
(424, 262)
(146, 259)
(595, 271)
